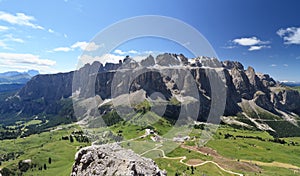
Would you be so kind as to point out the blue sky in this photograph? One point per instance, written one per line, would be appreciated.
(51, 35)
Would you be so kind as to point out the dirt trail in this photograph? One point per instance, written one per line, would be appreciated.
(273, 164)
(223, 161)
(182, 158)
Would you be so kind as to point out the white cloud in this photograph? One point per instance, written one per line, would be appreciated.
(273, 65)
(287, 81)
(253, 43)
(3, 28)
(286, 65)
(112, 58)
(229, 47)
(85, 46)
(132, 52)
(50, 30)
(253, 48)
(65, 35)
(290, 35)
(120, 52)
(150, 52)
(92, 46)
(106, 58)
(64, 49)
(249, 41)
(3, 45)
(28, 59)
(19, 19)
(22, 68)
(11, 38)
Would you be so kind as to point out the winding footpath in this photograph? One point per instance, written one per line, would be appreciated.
(182, 158)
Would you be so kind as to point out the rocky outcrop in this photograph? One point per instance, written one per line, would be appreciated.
(167, 60)
(113, 160)
(232, 64)
(149, 61)
(209, 62)
(241, 83)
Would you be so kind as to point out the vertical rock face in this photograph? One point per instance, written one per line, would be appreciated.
(241, 83)
(113, 160)
(255, 81)
(288, 100)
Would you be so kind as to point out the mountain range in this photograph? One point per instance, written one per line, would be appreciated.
(13, 80)
(202, 89)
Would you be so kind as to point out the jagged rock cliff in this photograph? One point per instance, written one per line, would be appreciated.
(245, 91)
(111, 159)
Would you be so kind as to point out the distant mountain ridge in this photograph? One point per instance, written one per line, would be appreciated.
(13, 80)
(14, 77)
(290, 83)
(253, 100)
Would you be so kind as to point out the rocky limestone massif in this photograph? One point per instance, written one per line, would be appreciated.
(113, 160)
(248, 97)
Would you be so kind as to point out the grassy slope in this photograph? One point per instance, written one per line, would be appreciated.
(239, 148)
(253, 149)
(40, 147)
(297, 88)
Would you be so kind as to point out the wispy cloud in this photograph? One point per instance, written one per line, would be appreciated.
(3, 45)
(286, 65)
(229, 47)
(120, 52)
(16, 58)
(3, 28)
(253, 48)
(11, 38)
(85, 46)
(290, 35)
(273, 65)
(114, 58)
(253, 43)
(20, 19)
(92, 46)
(106, 58)
(64, 49)
(50, 30)
(6, 39)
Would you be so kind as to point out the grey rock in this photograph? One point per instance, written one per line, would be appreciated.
(167, 60)
(149, 61)
(209, 62)
(232, 64)
(111, 159)
(241, 83)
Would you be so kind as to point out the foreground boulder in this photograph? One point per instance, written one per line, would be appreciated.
(111, 159)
